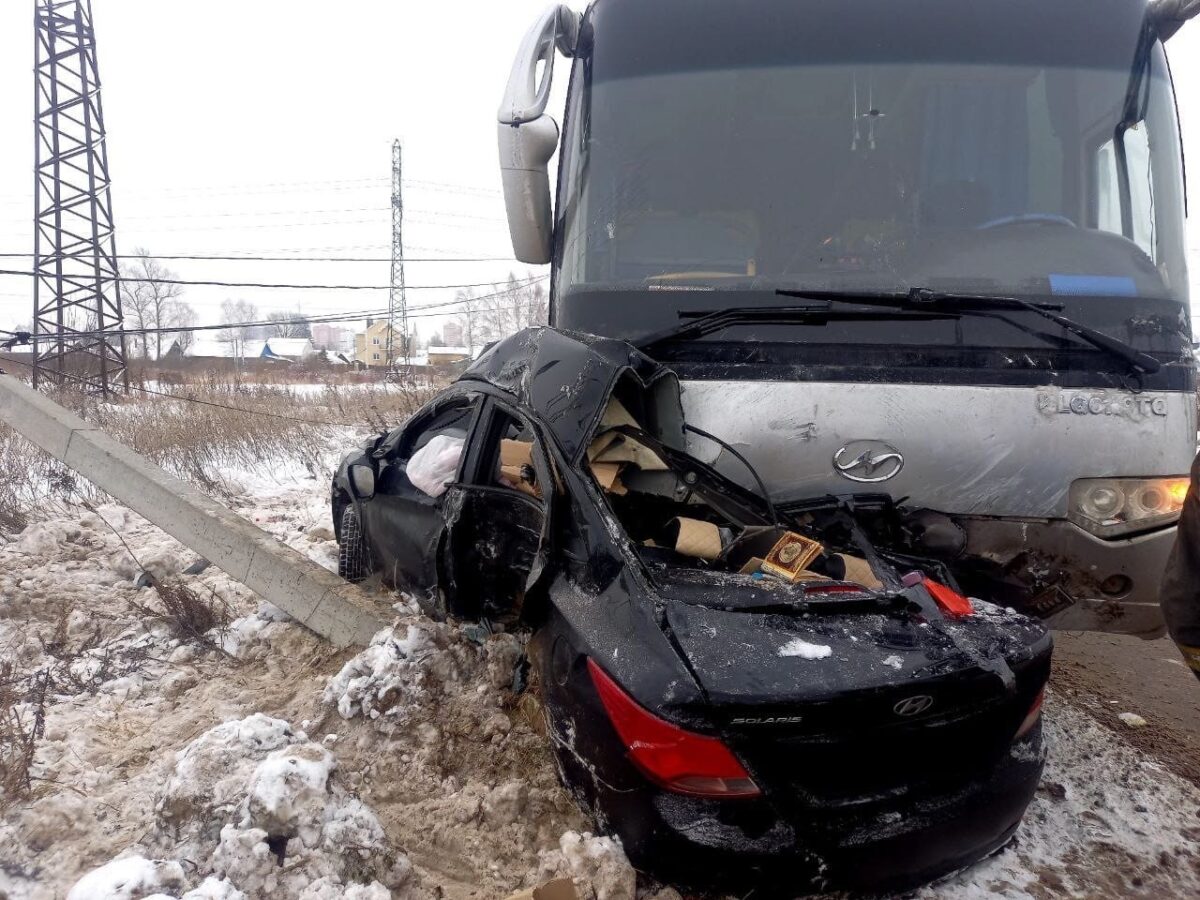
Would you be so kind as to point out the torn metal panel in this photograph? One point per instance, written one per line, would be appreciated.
(566, 379)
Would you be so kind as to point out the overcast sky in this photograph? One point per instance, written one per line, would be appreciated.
(266, 126)
(260, 125)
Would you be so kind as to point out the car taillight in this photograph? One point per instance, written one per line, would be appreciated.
(1031, 718)
(948, 600)
(670, 756)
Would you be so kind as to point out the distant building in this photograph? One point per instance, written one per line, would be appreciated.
(277, 350)
(333, 338)
(370, 347)
(445, 356)
(452, 334)
(291, 349)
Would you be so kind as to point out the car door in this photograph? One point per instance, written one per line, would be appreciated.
(404, 524)
(497, 518)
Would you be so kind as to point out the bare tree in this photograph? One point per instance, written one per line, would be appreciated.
(148, 296)
(505, 309)
(180, 314)
(468, 316)
(289, 325)
(232, 313)
(135, 305)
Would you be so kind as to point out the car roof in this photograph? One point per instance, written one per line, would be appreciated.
(565, 379)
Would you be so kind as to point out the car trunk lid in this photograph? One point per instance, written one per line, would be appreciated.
(844, 709)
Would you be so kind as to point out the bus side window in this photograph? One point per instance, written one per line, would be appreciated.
(1141, 186)
(1136, 144)
(1108, 190)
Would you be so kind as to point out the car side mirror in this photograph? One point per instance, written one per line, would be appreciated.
(362, 478)
(527, 137)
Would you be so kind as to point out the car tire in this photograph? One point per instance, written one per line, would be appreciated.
(354, 557)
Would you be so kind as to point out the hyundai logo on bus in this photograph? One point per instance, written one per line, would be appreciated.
(913, 706)
(1101, 405)
(868, 461)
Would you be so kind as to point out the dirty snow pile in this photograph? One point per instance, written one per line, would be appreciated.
(472, 754)
(177, 766)
(1106, 822)
(259, 762)
(255, 809)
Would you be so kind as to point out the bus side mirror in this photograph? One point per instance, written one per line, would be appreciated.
(1168, 16)
(528, 137)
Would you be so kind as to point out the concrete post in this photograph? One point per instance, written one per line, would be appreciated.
(338, 611)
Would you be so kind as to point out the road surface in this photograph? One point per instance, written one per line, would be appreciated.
(1107, 675)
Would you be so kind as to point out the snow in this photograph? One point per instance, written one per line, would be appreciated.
(805, 650)
(242, 795)
(597, 864)
(126, 879)
(895, 662)
(1105, 821)
(176, 769)
(1133, 720)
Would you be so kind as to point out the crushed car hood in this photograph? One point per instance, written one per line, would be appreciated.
(568, 378)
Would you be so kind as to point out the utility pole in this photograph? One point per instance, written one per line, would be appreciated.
(77, 322)
(398, 370)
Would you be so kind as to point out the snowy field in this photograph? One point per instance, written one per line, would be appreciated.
(260, 763)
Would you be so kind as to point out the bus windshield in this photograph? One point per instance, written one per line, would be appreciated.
(1028, 177)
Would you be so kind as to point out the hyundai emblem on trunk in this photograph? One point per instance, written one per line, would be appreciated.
(868, 461)
(913, 706)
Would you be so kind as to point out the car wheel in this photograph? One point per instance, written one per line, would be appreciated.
(354, 557)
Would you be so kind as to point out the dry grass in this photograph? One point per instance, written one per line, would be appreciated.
(199, 430)
(22, 721)
(190, 616)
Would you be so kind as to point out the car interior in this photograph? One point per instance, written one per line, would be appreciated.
(497, 527)
(678, 513)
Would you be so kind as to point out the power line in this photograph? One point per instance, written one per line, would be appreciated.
(251, 214)
(397, 296)
(269, 285)
(424, 219)
(356, 259)
(425, 310)
(338, 247)
(196, 400)
(277, 187)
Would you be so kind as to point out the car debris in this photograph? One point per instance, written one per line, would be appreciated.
(736, 685)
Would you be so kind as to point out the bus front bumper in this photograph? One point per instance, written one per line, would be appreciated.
(1073, 580)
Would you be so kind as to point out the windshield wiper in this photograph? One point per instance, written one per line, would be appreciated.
(925, 300)
(701, 324)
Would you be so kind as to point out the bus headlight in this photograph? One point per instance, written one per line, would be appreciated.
(1110, 507)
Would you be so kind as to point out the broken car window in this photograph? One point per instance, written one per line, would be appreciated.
(512, 460)
(430, 449)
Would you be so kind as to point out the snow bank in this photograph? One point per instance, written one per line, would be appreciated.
(597, 865)
(415, 662)
(431, 773)
(256, 811)
(128, 878)
(1106, 822)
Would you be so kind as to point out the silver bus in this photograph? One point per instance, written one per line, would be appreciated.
(932, 248)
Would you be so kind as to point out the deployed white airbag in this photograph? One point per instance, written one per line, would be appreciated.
(435, 465)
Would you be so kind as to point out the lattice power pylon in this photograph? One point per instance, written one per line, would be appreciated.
(77, 326)
(397, 332)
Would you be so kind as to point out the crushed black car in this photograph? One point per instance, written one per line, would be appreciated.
(746, 691)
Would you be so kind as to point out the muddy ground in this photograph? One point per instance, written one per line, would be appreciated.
(1109, 674)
